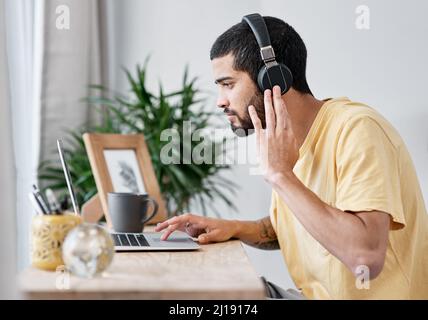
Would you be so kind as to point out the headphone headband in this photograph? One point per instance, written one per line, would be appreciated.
(258, 26)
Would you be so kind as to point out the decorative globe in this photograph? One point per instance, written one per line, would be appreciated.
(87, 250)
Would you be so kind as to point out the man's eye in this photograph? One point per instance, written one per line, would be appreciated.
(227, 85)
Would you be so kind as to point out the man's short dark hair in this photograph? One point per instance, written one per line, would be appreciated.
(241, 42)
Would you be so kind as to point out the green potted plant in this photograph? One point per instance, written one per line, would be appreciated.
(148, 113)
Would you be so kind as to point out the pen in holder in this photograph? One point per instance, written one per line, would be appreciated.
(47, 235)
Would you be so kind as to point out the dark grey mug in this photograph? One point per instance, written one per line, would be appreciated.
(128, 211)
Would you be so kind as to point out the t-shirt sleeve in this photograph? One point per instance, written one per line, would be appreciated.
(368, 175)
(273, 211)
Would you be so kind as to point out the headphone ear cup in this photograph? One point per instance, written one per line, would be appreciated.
(278, 74)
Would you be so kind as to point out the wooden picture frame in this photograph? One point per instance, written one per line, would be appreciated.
(114, 146)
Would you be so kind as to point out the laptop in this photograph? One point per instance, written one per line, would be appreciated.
(145, 241)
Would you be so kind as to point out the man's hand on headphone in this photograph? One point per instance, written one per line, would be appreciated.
(277, 147)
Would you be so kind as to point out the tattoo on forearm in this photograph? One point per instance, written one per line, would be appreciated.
(268, 239)
(271, 245)
(267, 231)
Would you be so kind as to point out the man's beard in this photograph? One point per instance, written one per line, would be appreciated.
(246, 125)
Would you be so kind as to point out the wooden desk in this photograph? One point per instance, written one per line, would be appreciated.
(216, 271)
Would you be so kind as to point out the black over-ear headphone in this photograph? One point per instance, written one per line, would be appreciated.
(272, 73)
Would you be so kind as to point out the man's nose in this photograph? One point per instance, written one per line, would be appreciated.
(222, 102)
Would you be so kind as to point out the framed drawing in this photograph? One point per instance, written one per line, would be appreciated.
(121, 163)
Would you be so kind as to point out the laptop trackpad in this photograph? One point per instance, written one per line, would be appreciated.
(176, 239)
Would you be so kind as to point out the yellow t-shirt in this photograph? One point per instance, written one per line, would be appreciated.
(353, 159)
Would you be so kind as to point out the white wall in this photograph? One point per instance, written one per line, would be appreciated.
(385, 67)
(8, 176)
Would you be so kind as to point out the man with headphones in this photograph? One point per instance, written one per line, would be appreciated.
(347, 211)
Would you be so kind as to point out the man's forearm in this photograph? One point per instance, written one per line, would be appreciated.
(343, 234)
(259, 234)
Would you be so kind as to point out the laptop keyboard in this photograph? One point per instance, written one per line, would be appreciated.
(129, 240)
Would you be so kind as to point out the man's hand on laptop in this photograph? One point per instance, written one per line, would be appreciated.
(204, 228)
